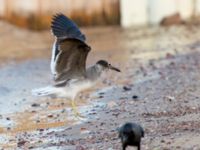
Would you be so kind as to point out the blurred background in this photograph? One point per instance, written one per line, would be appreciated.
(36, 14)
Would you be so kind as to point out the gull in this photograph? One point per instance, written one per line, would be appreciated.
(68, 63)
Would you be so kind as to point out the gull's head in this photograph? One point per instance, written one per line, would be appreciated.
(104, 65)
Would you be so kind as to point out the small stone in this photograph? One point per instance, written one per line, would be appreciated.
(100, 96)
(126, 88)
(31, 147)
(50, 116)
(170, 98)
(80, 147)
(169, 55)
(173, 19)
(162, 141)
(35, 105)
(63, 111)
(111, 104)
(101, 93)
(21, 143)
(41, 130)
(135, 97)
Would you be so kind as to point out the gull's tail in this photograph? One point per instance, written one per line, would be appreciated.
(46, 91)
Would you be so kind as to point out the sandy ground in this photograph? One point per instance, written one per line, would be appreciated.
(158, 88)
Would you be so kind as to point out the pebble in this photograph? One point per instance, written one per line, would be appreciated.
(111, 104)
(126, 88)
(135, 97)
(35, 105)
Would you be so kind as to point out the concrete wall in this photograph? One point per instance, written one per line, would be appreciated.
(159, 9)
(133, 12)
(2, 7)
(145, 12)
(197, 7)
(22, 7)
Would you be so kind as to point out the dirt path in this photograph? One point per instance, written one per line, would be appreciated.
(158, 88)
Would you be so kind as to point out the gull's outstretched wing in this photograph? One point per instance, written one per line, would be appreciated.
(64, 28)
(69, 51)
(71, 60)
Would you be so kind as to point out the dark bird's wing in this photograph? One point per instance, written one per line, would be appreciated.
(70, 50)
(71, 60)
(64, 28)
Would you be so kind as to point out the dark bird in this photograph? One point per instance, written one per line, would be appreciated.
(130, 135)
(68, 62)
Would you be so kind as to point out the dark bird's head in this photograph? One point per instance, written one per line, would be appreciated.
(130, 135)
(105, 65)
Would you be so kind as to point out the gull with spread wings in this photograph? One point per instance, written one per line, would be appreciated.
(68, 62)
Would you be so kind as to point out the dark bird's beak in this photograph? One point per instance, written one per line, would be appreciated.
(114, 68)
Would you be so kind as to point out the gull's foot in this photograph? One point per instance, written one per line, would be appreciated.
(76, 113)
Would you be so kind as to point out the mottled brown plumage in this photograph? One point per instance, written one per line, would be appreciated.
(71, 59)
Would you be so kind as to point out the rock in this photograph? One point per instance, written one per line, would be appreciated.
(135, 97)
(126, 88)
(63, 111)
(41, 130)
(111, 104)
(170, 98)
(8, 128)
(174, 19)
(7, 118)
(35, 105)
(21, 143)
(162, 141)
(101, 93)
(50, 116)
(169, 56)
(4, 91)
(101, 96)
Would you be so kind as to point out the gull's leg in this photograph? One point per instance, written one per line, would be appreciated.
(74, 108)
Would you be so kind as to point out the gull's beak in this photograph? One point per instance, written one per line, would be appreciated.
(114, 68)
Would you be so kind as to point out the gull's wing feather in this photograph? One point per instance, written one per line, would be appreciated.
(63, 28)
(71, 59)
(69, 51)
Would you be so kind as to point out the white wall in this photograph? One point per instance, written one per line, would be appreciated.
(158, 9)
(2, 7)
(136, 12)
(197, 8)
(23, 7)
(133, 12)
(185, 8)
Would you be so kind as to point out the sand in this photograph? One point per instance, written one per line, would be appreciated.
(158, 88)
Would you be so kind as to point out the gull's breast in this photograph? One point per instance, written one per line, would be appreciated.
(81, 85)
